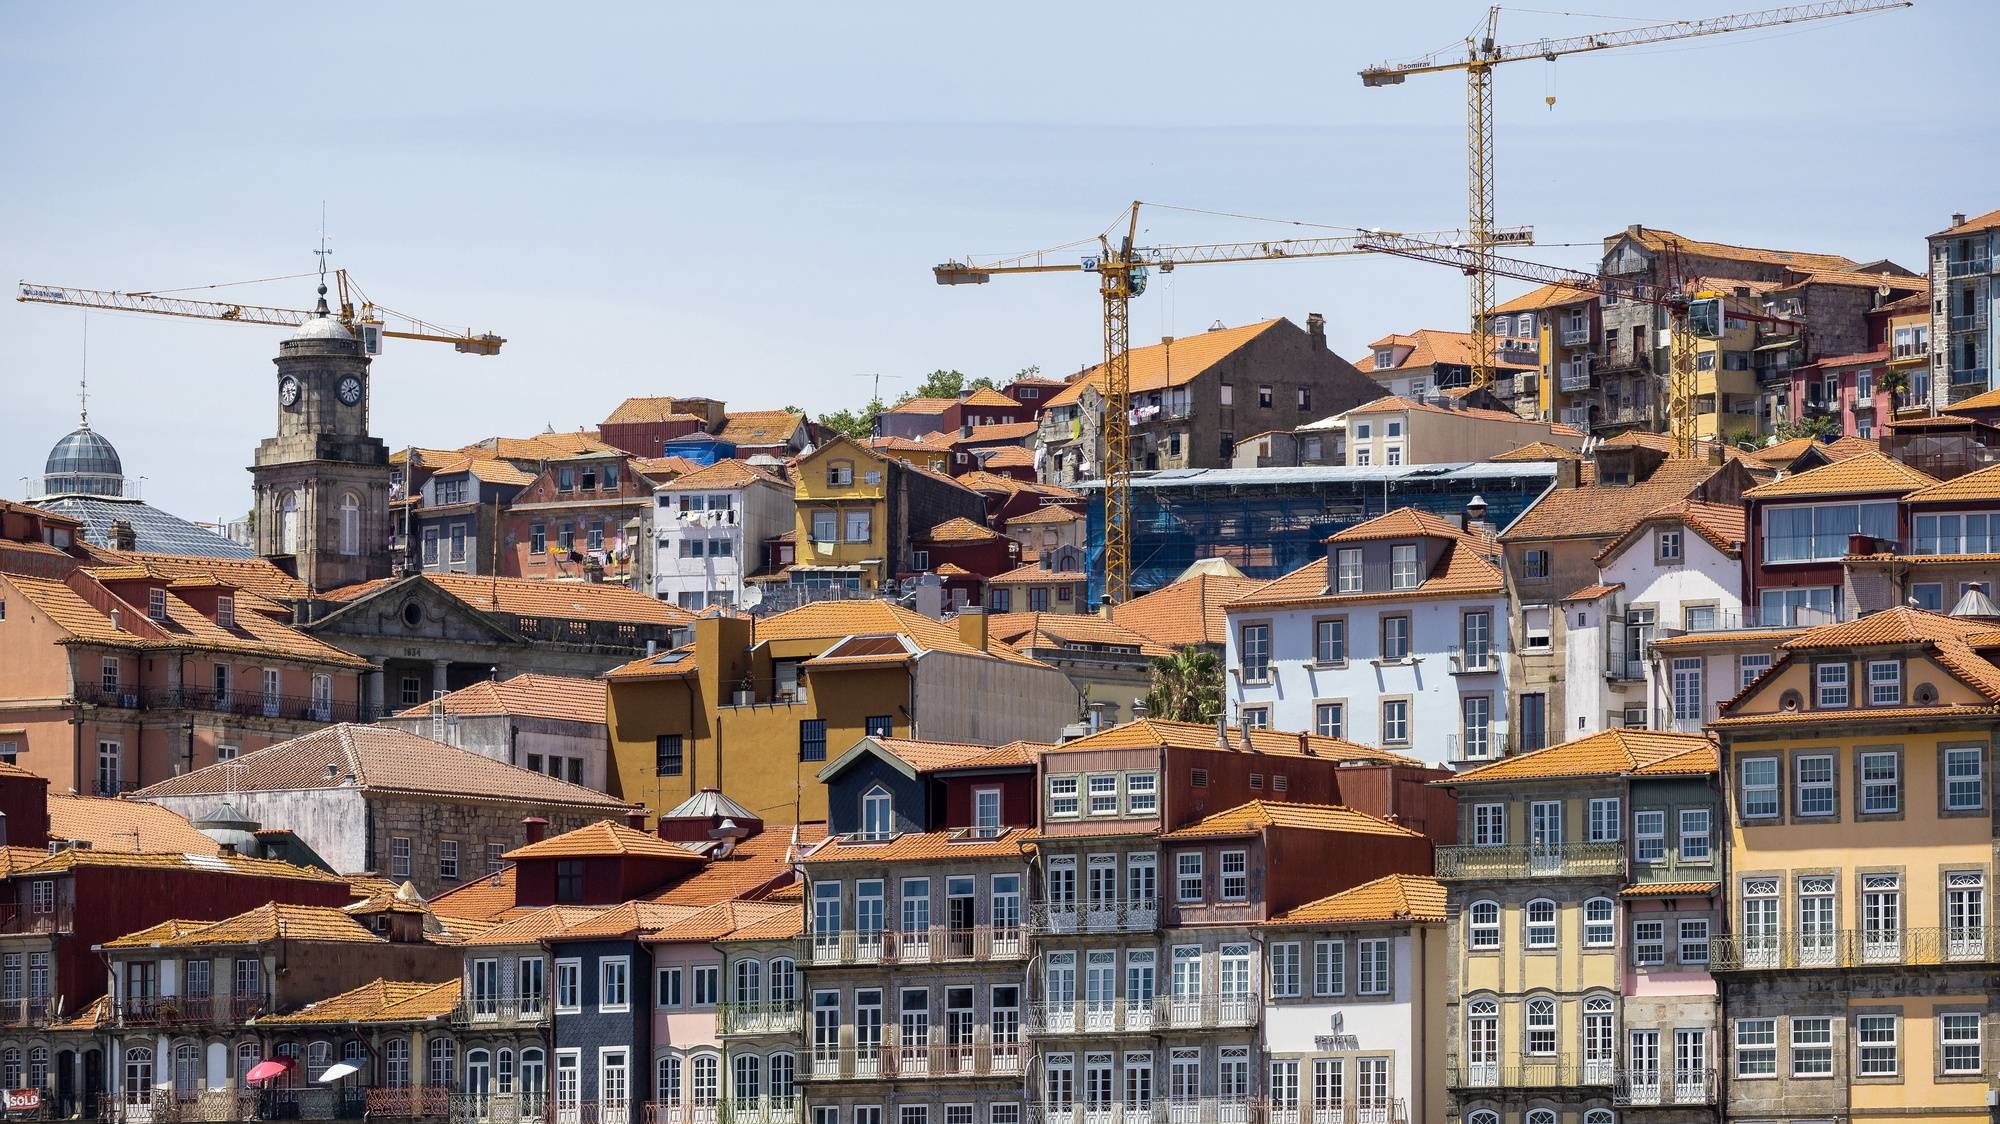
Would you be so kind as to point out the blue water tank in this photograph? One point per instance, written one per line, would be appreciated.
(702, 448)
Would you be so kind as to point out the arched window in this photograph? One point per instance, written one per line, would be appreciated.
(290, 1076)
(350, 524)
(1482, 1042)
(138, 1073)
(1538, 922)
(187, 1067)
(782, 1089)
(319, 1055)
(1483, 1116)
(443, 1062)
(1600, 1116)
(668, 1085)
(288, 523)
(396, 1062)
(749, 982)
(353, 1052)
(10, 1066)
(784, 980)
(534, 1072)
(877, 813)
(705, 1079)
(247, 1056)
(1540, 1116)
(38, 1067)
(478, 1072)
(1541, 1026)
(749, 1072)
(1482, 925)
(1600, 923)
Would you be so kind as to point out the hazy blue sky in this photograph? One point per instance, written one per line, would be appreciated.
(743, 200)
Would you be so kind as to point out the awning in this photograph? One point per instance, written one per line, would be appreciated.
(268, 1068)
(338, 1070)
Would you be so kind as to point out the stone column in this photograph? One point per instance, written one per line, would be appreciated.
(376, 679)
(438, 680)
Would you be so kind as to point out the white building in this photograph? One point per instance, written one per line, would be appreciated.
(710, 526)
(1353, 1021)
(1677, 571)
(1398, 639)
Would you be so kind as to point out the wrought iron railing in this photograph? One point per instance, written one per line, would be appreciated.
(500, 1011)
(891, 1060)
(1854, 948)
(1553, 1071)
(498, 1108)
(1137, 915)
(1645, 1087)
(404, 1101)
(1114, 1017)
(936, 944)
(1545, 860)
(759, 1018)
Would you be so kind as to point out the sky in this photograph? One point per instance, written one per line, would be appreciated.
(743, 201)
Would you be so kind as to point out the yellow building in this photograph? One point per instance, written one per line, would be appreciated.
(860, 509)
(1859, 982)
(1728, 397)
(1907, 338)
(757, 707)
(1537, 936)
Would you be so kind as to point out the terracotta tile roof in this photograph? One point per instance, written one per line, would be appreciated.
(952, 570)
(540, 447)
(1463, 572)
(665, 469)
(998, 431)
(922, 406)
(1783, 452)
(992, 483)
(1430, 347)
(482, 899)
(627, 919)
(723, 919)
(1396, 404)
(1869, 714)
(1656, 240)
(1973, 225)
(1031, 631)
(783, 925)
(752, 869)
(1670, 890)
(1986, 400)
(530, 927)
(603, 838)
(863, 652)
(93, 1017)
(1722, 526)
(1402, 523)
(1187, 612)
(1894, 282)
(1983, 484)
(124, 825)
(249, 575)
(791, 892)
(14, 860)
(1950, 641)
(1538, 451)
(1702, 760)
(381, 759)
(253, 634)
(675, 663)
(1739, 636)
(930, 846)
(1255, 816)
(1593, 592)
(1611, 753)
(265, 923)
(642, 410)
(174, 860)
(761, 427)
(724, 474)
(1051, 515)
(529, 695)
(928, 756)
(378, 1001)
(1393, 897)
(1876, 356)
(1010, 456)
(581, 601)
(987, 396)
(490, 470)
(1868, 474)
(961, 529)
(1149, 733)
(1547, 296)
(1595, 510)
(1035, 573)
(1160, 365)
(874, 617)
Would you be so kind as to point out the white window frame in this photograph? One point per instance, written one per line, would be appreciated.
(614, 973)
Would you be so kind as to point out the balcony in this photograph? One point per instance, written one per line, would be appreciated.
(1578, 416)
(24, 1012)
(1555, 1071)
(891, 1062)
(761, 1110)
(1966, 382)
(498, 1108)
(496, 1012)
(1623, 359)
(653, 1112)
(408, 1101)
(1910, 350)
(1968, 267)
(1190, 1110)
(1548, 860)
(758, 1018)
(242, 704)
(1573, 335)
(299, 1104)
(935, 945)
(1207, 1012)
(1573, 377)
(21, 918)
(1652, 1087)
(1138, 1016)
(164, 1010)
(1750, 618)
(1969, 321)
(1854, 948)
(1138, 915)
(1475, 661)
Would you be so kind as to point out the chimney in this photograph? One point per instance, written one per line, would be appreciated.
(1243, 729)
(535, 829)
(635, 818)
(122, 535)
(1474, 518)
(1636, 229)
(972, 626)
(117, 621)
(1316, 330)
(1221, 731)
(1958, 218)
(1306, 745)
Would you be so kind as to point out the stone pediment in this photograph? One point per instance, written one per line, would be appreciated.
(414, 609)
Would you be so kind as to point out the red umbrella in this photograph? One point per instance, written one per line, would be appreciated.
(268, 1068)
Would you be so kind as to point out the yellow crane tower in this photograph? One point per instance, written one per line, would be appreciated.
(367, 317)
(1481, 55)
(1122, 269)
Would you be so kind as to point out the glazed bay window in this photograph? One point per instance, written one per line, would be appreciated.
(1812, 1047)
(1819, 532)
(1964, 779)
(1786, 608)
(1253, 652)
(1830, 686)
(1967, 533)
(1881, 784)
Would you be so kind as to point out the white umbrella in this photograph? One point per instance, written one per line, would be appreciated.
(337, 1071)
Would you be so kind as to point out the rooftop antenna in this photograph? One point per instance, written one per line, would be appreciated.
(322, 253)
(83, 381)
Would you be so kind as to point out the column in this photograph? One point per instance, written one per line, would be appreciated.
(376, 678)
(438, 680)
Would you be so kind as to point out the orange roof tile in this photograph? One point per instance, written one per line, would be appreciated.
(755, 867)
(784, 925)
(1870, 714)
(530, 927)
(483, 898)
(1538, 451)
(252, 634)
(1546, 296)
(1257, 815)
(583, 601)
(642, 410)
(1160, 365)
(1402, 523)
(1031, 631)
(1593, 592)
(1983, 484)
(1595, 510)
(540, 447)
(875, 617)
(378, 1001)
(662, 469)
(529, 695)
(1867, 474)
(627, 919)
(74, 858)
(931, 846)
(124, 825)
(1702, 760)
(675, 663)
(1189, 611)
(1393, 897)
(1894, 282)
(1010, 456)
(1149, 733)
(1429, 347)
(1034, 573)
(961, 529)
(1610, 753)
(1670, 890)
(922, 406)
(721, 920)
(724, 474)
(987, 396)
(1463, 572)
(998, 431)
(603, 838)
(1051, 514)
(1722, 526)
(1654, 239)
(761, 427)
(261, 925)
(490, 470)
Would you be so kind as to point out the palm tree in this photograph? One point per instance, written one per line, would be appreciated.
(1187, 686)
(1896, 384)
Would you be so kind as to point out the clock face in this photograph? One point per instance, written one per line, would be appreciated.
(288, 390)
(349, 390)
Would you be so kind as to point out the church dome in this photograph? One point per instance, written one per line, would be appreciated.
(323, 328)
(83, 461)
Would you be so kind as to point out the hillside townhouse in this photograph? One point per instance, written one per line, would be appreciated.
(586, 517)
(917, 417)
(644, 425)
(1948, 550)
(1550, 328)
(1045, 529)
(1962, 319)
(1428, 363)
(1802, 528)
(1858, 974)
(710, 526)
(1399, 637)
(1109, 665)
(1395, 430)
(1186, 612)
(1058, 581)
(453, 521)
(1193, 397)
(385, 1050)
(1539, 937)
(761, 1019)
(859, 512)
(542, 723)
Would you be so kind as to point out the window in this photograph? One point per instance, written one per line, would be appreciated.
(156, 603)
(1885, 683)
(825, 526)
(1961, 1047)
(1482, 925)
(1812, 778)
(1363, 457)
(1235, 876)
(430, 544)
(1812, 1047)
(1255, 718)
(1285, 972)
(107, 674)
(1649, 942)
(1330, 640)
(1187, 876)
(707, 985)
(1253, 651)
(1535, 565)
(1489, 825)
(1541, 1024)
(1264, 397)
(1063, 796)
(1395, 638)
(1830, 680)
(1142, 794)
(859, 525)
(812, 739)
(1534, 638)
(1328, 719)
(1403, 566)
(1756, 1047)
(1395, 720)
(667, 761)
(1601, 923)
(1539, 923)
(1348, 570)
(1694, 940)
(1877, 1056)
(1819, 532)
(1670, 546)
(839, 474)
(1686, 676)
(1881, 786)
(1694, 835)
(1330, 967)
(878, 814)
(538, 538)
(614, 977)
(1604, 815)
(569, 986)
(1760, 787)
(1964, 779)
(1372, 966)
(448, 860)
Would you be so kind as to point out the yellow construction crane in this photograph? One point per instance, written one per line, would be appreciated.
(367, 317)
(1481, 55)
(1122, 269)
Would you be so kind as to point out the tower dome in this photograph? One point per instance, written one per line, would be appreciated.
(83, 463)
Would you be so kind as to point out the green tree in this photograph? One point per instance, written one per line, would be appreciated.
(1187, 686)
(1818, 427)
(945, 384)
(858, 424)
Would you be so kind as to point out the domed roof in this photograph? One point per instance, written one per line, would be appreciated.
(323, 328)
(83, 450)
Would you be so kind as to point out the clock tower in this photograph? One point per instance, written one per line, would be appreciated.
(322, 484)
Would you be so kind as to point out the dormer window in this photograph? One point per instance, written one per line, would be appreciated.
(877, 814)
(225, 611)
(1385, 359)
(156, 603)
(1403, 571)
(565, 479)
(1348, 570)
(590, 478)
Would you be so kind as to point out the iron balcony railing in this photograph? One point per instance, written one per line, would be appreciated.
(1378, 1111)
(653, 1112)
(17, 918)
(500, 1011)
(1118, 1016)
(1207, 1012)
(1553, 1071)
(934, 945)
(776, 1017)
(408, 1101)
(1854, 948)
(1137, 915)
(1970, 321)
(1573, 336)
(1541, 860)
(892, 1061)
(760, 1110)
(1796, 616)
(303, 1103)
(24, 1012)
(499, 1108)
(1163, 1110)
(1648, 1087)
(243, 703)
